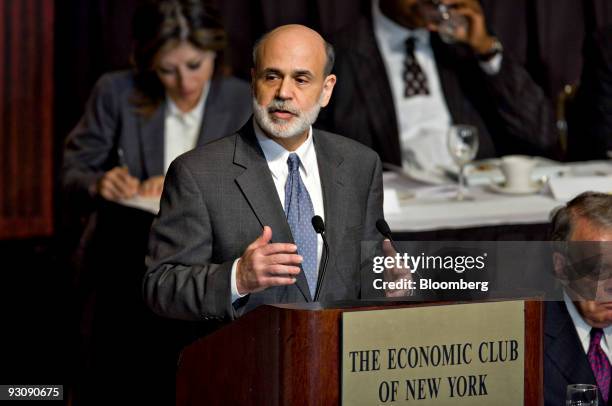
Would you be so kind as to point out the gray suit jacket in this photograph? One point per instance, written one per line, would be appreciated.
(110, 122)
(216, 201)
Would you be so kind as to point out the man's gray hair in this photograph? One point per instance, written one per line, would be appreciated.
(592, 206)
(329, 53)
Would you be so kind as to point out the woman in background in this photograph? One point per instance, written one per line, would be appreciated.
(135, 123)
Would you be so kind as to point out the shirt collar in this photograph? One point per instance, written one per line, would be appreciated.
(582, 327)
(192, 117)
(392, 34)
(276, 155)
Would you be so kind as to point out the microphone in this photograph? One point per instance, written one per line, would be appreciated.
(319, 227)
(383, 228)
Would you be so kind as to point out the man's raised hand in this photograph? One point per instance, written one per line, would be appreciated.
(263, 265)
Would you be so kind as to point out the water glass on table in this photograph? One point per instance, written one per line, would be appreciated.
(581, 395)
(462, 142)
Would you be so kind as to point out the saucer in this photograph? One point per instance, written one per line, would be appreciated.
(500, 187)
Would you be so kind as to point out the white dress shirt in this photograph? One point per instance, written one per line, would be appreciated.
(423, 120)
(584, 330)
(181, 130)
(276, 156)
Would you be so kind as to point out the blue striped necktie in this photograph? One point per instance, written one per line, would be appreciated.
(299, 211)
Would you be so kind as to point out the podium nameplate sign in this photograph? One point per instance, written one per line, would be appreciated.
(463, 354)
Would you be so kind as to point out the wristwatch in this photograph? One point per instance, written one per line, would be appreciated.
(496, 49)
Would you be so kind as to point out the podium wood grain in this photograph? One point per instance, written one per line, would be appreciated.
(290, 355)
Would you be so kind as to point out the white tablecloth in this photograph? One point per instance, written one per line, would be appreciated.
(423, 208)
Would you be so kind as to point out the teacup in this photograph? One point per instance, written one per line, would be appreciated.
(517, 169)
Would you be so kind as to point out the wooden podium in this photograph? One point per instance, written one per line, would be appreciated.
(291, 355)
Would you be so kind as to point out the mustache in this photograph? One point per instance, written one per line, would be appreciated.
(282, 105)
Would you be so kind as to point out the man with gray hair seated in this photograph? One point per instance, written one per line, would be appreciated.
(578, 330)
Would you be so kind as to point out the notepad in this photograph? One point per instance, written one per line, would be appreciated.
(148, 204)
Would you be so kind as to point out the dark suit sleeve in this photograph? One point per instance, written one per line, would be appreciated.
(181, 282)
(590, 122)
(372, 238)
(524, 111)
(90, 143)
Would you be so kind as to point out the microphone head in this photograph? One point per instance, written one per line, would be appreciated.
(318, 224)
(383, 227)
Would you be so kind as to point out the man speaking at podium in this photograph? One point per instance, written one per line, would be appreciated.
(234, 229)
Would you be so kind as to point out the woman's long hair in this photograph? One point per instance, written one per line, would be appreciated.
(159, 25)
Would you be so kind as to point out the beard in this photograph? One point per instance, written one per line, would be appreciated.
(277, 128)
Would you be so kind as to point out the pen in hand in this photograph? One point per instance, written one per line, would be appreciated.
(117, 183)
(121, 159)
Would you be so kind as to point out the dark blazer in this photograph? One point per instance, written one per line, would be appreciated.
(565, 362)
(590, 124)
(216, 201)
(509, 109)
(110, 122)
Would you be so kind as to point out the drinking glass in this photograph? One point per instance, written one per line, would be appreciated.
(581, 395)
(449, 22)
(462, 141)
(451, 25)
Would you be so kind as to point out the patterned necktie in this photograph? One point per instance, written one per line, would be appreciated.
(599, 363)
(415, 81)
(299, 211)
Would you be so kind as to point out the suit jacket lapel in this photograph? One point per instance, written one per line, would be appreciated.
(332, 184)
(216, 119)
(151, 133)
(565, 349)
(258, 189)
(371, 74)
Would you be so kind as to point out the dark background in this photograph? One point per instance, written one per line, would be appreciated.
(544, 35)
(90, 37)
